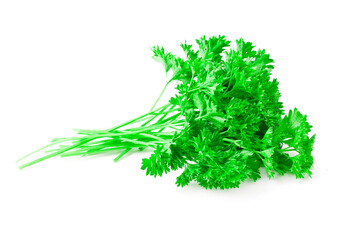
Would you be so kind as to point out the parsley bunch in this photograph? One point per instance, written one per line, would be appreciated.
(225, 123)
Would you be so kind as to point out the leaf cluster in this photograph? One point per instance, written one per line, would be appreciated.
(234, 123)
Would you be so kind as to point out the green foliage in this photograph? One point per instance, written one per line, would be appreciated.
(223, 126)
(234, 119)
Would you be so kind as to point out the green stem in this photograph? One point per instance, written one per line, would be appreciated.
(122, 154)
(53, 154)
(133, 120)
(144, 124)
(128, 149)
(40, 149)
(165, 86)
(131, 138)
(234, 142)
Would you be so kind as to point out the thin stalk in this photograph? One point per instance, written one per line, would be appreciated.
(144, 124)
(40, 149)
(125, 137)
(53, 154)
(233, 141)
(122, 154)
(163, 116)
(86, 131)
(165, 87)
(133, 120)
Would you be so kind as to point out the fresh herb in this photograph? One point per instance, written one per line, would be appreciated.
(225, 123)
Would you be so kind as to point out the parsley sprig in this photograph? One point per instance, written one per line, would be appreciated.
(225, 123)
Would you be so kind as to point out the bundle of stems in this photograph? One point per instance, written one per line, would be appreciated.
(152, 130)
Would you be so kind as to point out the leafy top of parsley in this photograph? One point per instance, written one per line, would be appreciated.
(234, 121)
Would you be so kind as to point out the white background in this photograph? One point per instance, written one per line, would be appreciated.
(87, 64)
